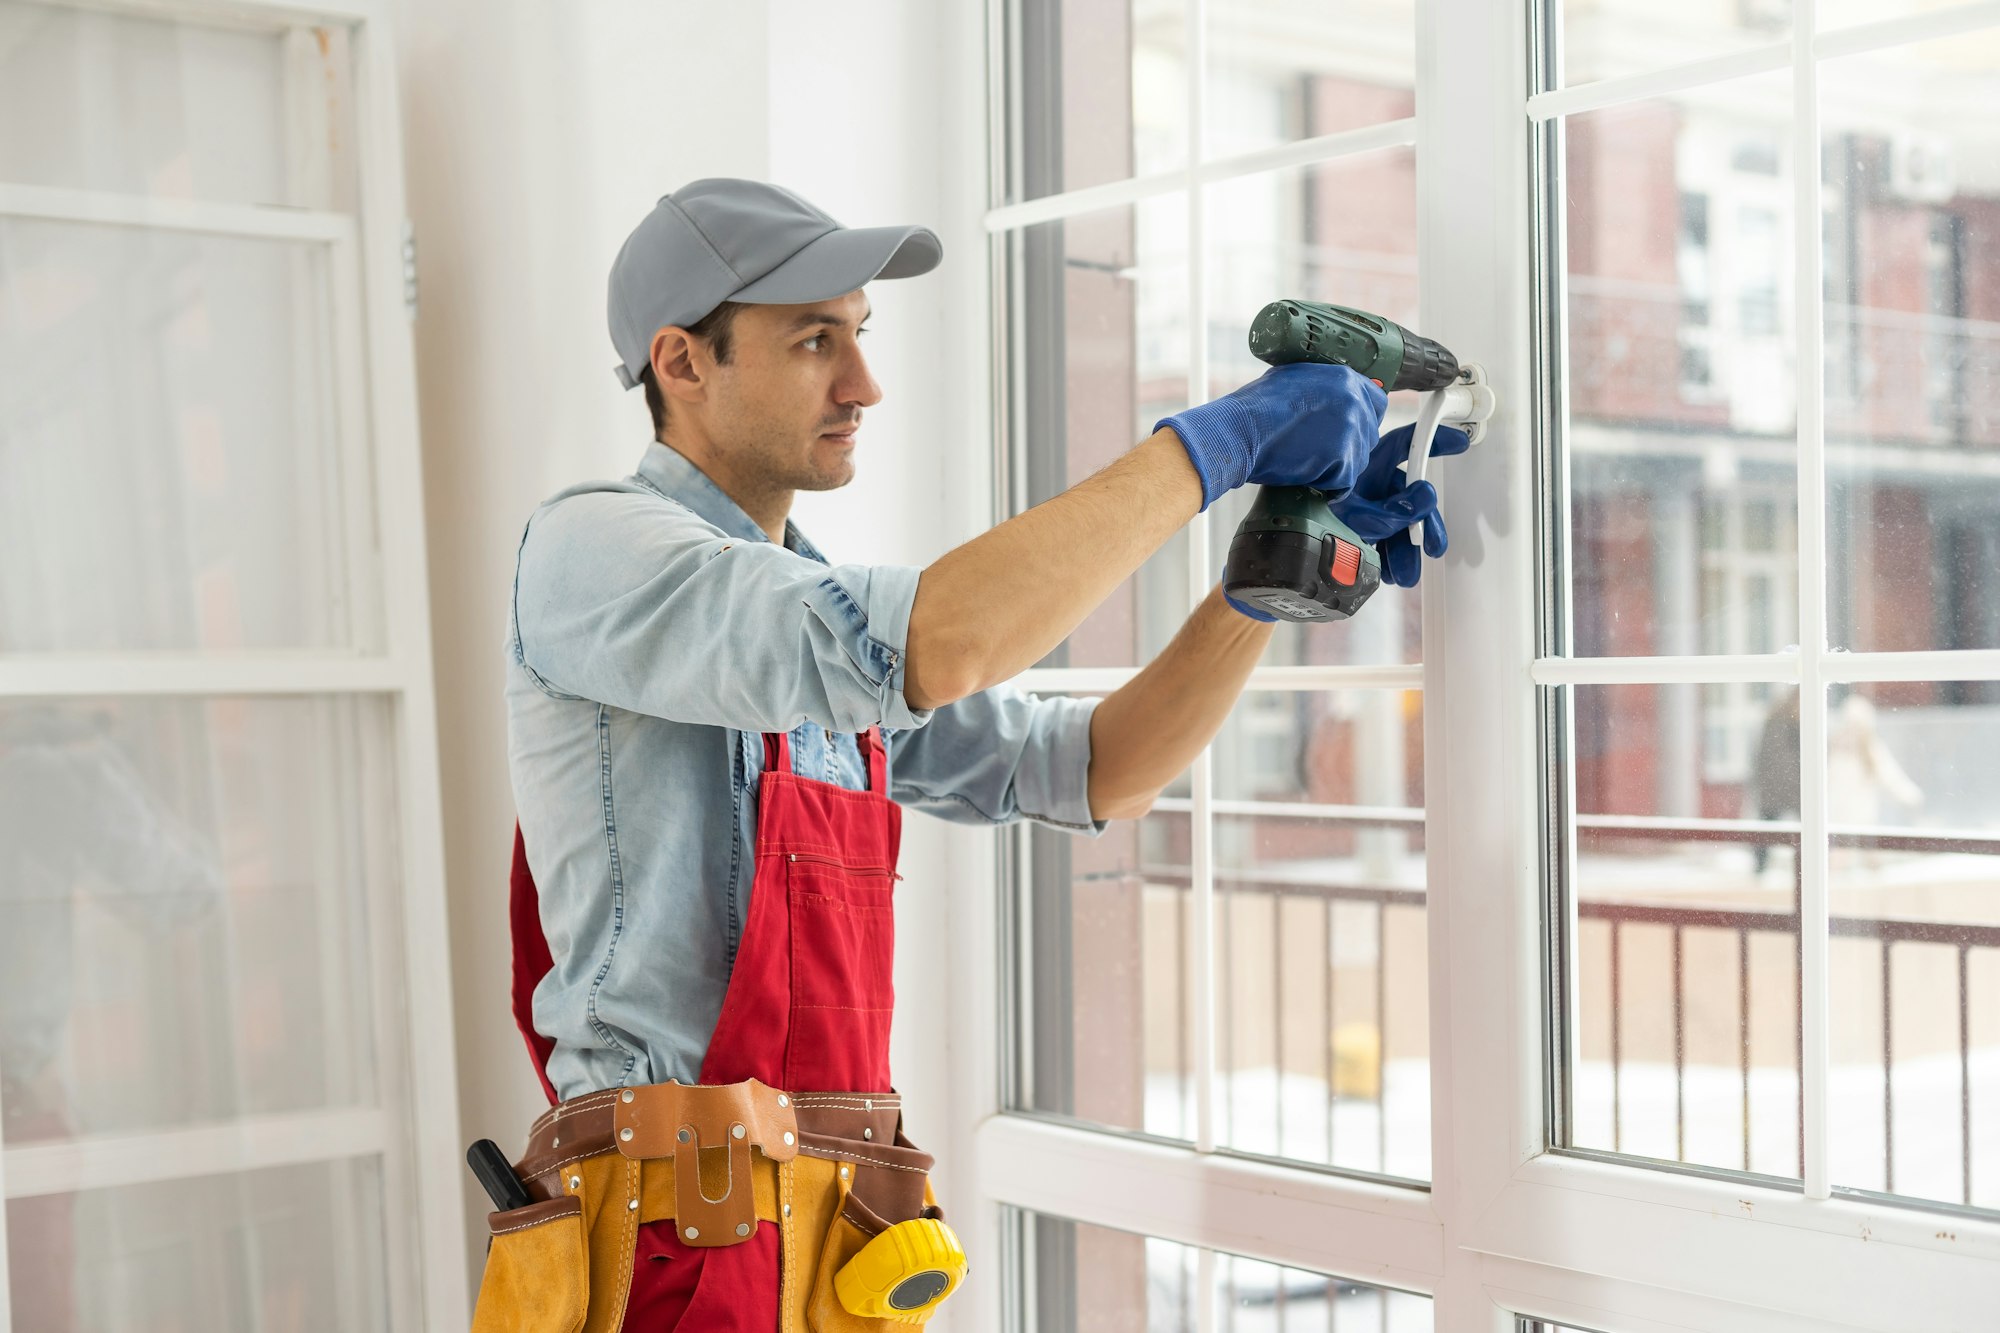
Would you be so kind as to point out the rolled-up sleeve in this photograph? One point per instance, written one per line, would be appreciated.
(999, 756)
(629, 600)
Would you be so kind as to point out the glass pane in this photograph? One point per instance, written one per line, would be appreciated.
(1295, 233)
(1914, 884)
(1101, 89)
(98, 101)
(1686, 901)
(188, 888)
(1292, 233)
(1913, 345)
(1682, 429)
(1279, 72)
(1321, 965)
(1603, 39)
(1080, 1277)
(1260, 1297)
(1321, 973)
(205, 445)
(298, 1248)
(1106, 1030)
(1100, 353)
(1324, 747)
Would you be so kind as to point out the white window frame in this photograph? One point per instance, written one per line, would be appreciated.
(413, 1129)
(1508, 1228)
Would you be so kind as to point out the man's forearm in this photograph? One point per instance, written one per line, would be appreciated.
(1153, 726)
(996, 605)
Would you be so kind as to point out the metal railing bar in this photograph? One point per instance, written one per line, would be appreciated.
(1965, 1075)
(1743, 1030)
(1680, 1046)
(1896, 929)
(1332, 1089)
(1178, 877)
(1182, 906)
(1278, 1017)
(1798, 1005)
(1888, 1076)
(1617, 1056)
(1226, 1014)
(1381, 1036)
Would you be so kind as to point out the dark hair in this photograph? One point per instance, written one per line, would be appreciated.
(714, 328)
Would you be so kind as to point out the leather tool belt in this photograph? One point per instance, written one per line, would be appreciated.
(829, 1170)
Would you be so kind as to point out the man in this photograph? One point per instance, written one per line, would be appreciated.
(712, 732)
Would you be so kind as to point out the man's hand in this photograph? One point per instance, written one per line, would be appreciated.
(1384, 503)
(1298, 425)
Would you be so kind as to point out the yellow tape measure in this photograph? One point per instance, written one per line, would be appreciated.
(904, 1273)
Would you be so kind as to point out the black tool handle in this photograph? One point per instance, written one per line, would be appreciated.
(490, 1165)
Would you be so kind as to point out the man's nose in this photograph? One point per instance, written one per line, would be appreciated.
(856, 385)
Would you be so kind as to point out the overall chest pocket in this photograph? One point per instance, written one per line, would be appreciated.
(843, 933)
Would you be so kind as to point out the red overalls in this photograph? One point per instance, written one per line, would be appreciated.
(808, 1007)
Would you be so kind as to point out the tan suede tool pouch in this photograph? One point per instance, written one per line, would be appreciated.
(537, 1271)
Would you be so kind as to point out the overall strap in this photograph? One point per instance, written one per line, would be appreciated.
(875, 751)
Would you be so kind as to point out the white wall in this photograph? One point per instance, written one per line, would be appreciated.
(537, 135)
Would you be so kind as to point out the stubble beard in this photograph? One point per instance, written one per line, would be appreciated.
(781, 465)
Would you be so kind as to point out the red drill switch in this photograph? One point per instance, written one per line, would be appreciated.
(1346, 562)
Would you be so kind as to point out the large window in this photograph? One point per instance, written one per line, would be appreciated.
(1770, 677)
(221, 887)
(1605, 937)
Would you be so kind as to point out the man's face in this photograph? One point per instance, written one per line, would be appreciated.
(788, 405)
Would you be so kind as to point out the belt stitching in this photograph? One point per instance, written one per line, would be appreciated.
(584, 1103)
(860, 1157)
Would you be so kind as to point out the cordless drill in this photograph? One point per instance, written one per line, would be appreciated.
(1291, 558)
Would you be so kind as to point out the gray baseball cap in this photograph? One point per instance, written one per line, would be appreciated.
(722, 240)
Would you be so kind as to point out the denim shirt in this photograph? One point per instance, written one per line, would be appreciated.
(655, 634)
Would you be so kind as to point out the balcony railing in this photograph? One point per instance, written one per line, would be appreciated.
(1619, 917)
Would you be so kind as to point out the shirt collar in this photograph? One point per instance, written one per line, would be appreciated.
(673, 475)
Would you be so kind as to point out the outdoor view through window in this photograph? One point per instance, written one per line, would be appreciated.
(1685, 459)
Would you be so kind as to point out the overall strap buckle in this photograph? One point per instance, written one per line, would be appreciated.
(680, 1120)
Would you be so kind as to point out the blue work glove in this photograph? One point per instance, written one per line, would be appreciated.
(1299, 425)
(1249, 611)
(1384, 503)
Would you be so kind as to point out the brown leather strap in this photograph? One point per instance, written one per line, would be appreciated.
(861, 1130)
(678, 1120)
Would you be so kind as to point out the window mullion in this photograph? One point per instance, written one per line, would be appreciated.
(1809, 337)
(1201, 778)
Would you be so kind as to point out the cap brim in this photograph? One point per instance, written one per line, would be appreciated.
(843, 261)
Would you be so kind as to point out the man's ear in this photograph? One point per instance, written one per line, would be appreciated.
(681, 365)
